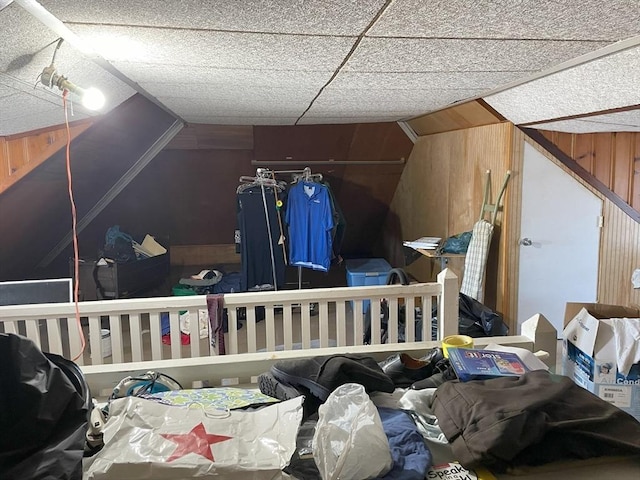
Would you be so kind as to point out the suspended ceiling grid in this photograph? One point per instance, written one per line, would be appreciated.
(333, 61)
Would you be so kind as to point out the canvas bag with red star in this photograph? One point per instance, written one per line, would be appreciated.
(146, 439)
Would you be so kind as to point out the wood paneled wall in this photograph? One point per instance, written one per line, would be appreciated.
(440, 194)
(20, 154)
(466, 115)
(613, 158)
(188, 192)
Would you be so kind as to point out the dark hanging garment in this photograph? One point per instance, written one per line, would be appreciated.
(339, 226)
(256, 246)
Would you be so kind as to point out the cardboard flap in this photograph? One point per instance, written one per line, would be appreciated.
(599, 310)
(582, 331)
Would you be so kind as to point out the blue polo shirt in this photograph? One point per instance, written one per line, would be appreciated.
(310, 219)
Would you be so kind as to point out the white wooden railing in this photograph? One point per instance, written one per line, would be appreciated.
(293, 319)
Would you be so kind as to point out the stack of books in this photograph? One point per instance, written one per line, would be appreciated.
(425, 243)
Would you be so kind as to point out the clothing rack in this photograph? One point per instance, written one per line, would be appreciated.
(306, 175)
(247, 181)
(263, 180)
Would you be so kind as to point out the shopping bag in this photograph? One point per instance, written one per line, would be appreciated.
(144, 439)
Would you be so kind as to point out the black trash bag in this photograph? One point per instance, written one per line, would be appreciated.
(44, 406)
(474, 319)
(478, 320)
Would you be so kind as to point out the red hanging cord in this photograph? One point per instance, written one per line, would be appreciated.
(76, 256)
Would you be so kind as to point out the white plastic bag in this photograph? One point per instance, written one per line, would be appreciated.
(144, 439)
(349, 442)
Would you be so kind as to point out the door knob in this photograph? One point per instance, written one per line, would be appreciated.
(526, 242)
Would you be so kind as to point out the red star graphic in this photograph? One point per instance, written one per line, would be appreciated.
(196, 441)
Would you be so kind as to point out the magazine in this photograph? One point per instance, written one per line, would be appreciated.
(472, 364)
(455, 471)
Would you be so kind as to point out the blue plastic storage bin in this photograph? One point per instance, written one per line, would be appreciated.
(367, 271)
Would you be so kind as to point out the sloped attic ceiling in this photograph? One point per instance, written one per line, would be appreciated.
(324, 61)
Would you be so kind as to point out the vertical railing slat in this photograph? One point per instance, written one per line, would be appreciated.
(270, 328)
(155, 333)
(95, 340)
(287, 325)
(33, 331)
(75, 342)
(358, 333)
(410, 326)
(194, 332)
(341, 323)
(323, 319)
(115, 329)
(176, 337)
(305, 327)
(251, 329)
(374, 311)
(135, 331)
(392, 322)
(232, 336)
(54, 336)
(10, 327)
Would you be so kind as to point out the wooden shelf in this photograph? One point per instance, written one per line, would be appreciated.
(444, 257)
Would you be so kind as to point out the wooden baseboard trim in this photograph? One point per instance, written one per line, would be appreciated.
(204, 255)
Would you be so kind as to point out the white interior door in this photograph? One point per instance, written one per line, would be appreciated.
(559, 242)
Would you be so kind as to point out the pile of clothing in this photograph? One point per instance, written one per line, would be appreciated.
(501, 424)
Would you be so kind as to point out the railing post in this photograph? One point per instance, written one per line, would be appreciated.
(447, 304)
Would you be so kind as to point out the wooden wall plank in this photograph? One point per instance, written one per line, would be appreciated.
(602, 147)
(583, 152)
(635, 182)
(622, 165)
(225, 137)
(564, 141)
(19, 155)
(4, 159)
(470, 114)
(203, 254)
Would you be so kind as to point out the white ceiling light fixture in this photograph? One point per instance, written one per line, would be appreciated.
(92, 98)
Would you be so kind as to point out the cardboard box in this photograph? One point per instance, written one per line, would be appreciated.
(589, 354)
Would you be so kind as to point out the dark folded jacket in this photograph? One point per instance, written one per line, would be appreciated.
(535, 419)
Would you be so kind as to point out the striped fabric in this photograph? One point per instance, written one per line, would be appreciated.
(475, 262)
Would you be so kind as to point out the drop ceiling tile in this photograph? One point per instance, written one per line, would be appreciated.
(628, 121)
(535, 19)
(148, 74)
(313, 120)
(28, 113)
(256, 51)
(424, 80)
(204, 107)
(605, 83)
(396, 103)
(5, 90)
(419, 55)
(328, 17)
(230, 93)
(21, 104)
(242, 120)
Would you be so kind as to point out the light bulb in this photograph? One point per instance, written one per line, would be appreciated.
(92, 98)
